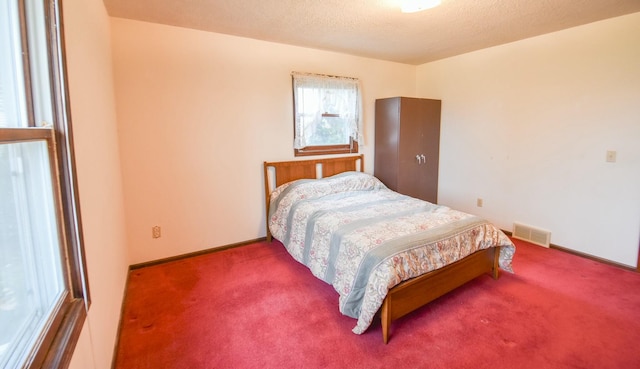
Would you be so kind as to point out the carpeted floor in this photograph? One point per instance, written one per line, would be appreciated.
(255, 307)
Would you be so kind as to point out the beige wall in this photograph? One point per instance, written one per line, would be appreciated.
(99, 176)
(198, 113)
(526, 126)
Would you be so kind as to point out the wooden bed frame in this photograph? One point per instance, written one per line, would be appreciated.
(408, 295)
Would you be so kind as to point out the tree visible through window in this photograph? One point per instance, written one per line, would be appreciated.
(327, 114)
(43, 289)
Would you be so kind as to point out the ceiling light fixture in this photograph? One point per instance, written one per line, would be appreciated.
(412, 6)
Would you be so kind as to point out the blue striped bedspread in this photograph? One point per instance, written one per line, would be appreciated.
(354, 233)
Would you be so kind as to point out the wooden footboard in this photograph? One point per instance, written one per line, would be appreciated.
(414, 293)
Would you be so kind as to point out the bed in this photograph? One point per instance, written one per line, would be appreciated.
(386, 254)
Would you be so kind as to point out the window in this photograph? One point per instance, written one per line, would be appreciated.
(327, 116)
(43, 289)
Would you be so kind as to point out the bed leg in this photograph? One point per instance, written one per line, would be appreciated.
(496, 263)
(385, 319)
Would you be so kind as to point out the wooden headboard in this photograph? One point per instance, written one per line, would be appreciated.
(280, 172)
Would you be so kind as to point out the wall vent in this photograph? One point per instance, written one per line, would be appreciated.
(531, 234)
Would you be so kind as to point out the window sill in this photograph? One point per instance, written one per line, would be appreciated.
(64, 343)
(327, 150)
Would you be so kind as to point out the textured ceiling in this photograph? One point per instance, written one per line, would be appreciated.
(377, 28)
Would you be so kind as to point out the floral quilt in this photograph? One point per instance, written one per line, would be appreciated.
(354, 233)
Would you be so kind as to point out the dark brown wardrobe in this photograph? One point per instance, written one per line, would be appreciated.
(407, 145)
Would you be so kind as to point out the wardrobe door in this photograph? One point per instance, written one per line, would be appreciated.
(431, 130)
(387, 138)
(419, 148)
(412, 143)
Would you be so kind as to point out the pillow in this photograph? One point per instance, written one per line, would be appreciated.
(290, 192)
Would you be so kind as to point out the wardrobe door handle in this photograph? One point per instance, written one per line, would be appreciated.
(418, 159)
(424, 159)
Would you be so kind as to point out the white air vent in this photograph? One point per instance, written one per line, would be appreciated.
(531, 234)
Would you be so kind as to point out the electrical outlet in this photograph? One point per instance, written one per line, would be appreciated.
(479, 202)
(611, 156)
(155, 232)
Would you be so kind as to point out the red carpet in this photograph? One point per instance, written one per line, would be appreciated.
(255, 307)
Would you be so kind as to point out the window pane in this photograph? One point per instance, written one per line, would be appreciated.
(328, 131)
(326, 114)
(13, 111)
(39, 63)
(31, 279)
